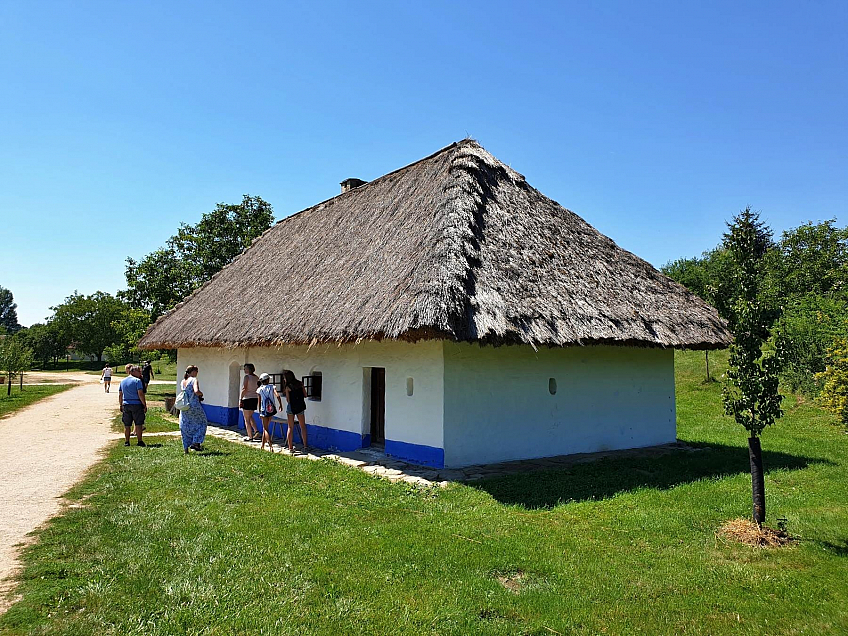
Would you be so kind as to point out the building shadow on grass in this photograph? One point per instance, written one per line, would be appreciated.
(609, 476)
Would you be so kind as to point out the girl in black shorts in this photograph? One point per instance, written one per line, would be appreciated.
(296, 398)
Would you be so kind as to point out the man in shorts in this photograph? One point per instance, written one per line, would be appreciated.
(133, 403)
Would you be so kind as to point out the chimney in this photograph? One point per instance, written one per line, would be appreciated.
(350, 184)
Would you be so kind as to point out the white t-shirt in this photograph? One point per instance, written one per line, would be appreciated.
(107, 373)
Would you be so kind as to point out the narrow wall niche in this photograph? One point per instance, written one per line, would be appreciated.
(552, 386)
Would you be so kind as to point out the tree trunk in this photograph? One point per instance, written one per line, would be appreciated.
(707, 358)
(758, 486)
(9, 389)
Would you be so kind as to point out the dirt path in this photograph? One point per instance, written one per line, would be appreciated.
(44, 450)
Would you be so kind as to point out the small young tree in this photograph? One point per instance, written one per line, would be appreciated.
(751, 392)
(15, 358)
(834, 393)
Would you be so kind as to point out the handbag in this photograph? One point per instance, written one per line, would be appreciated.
(181, 403)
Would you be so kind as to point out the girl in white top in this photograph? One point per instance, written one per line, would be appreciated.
(106, 378)
(268, 400)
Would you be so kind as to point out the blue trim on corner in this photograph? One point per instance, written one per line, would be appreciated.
(228, 416)
(416, 453)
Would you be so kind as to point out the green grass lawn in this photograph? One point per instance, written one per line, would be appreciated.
(158, 392)
(234, 541)
(30, 394)
(158, 420)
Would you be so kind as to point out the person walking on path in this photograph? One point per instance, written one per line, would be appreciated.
(249, 401)
(147, 374)
(133, 404)
(268, 399)
(193, 420)
(296, 407)
(106, 377)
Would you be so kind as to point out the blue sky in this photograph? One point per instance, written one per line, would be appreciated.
(655, 122)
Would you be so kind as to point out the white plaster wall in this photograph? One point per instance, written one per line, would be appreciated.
(498, 406)
(416, 419)
(213, 372)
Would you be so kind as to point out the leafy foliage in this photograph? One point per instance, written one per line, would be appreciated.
(834, 394)
(751, 393)
(811, 323)
(90, 321)
(804, 275)
(14, 358)
(194, 254)
(47, 341)
(813, 260)
(129, 327)
(158, 281)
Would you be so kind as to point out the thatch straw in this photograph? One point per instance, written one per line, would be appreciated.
(456, 246)
(748, 532)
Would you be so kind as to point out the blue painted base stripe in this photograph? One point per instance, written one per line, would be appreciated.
(322, 437)
(327, 438)
(416, 453)
(228, 416)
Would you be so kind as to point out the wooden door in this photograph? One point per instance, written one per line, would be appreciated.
(378, 405)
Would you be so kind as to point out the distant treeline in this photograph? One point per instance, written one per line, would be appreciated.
(109, 327)
(805, 282)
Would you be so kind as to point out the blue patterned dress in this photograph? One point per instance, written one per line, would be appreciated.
(193, 420)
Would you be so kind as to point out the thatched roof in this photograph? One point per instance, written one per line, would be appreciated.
(456, 246)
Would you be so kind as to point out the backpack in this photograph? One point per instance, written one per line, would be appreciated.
(268, 408)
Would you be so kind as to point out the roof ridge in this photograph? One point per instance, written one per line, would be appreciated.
(460, 220)
(365, 185)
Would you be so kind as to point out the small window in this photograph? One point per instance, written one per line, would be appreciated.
(409, 387)
(277, 380)
(313, 384)
(552, 386)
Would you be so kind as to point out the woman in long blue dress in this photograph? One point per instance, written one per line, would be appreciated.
(193, 420)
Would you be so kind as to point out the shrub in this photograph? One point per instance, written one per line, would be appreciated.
(810, 324)
(834, 393)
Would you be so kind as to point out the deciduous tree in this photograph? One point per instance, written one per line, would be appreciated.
(47, 341)
(194, 254)
(751, 393)
(90, 321)
(8, 311)
(15, 358)
(813, 259)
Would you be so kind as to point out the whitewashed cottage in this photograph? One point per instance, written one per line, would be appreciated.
(451, 314)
